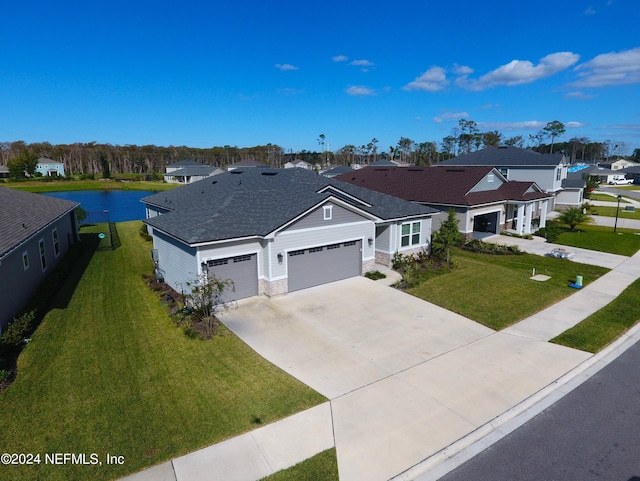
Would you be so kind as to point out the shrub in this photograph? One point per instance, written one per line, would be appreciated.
(18, 330)
(4, 375)
(375, 275)
(144, 234)
(550, 232)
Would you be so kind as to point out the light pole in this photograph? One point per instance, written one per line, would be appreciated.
(615, 225)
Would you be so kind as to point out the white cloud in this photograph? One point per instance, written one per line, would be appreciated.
(631, 127)
(578, 95)
(360, 90)
(589, 11)
(489, 106)
(508, 126)
(340, 58)
(362, 63)
(290, 91)
(450, 117)
(462, 70)
(614, 68)
(285, 66)
(574, 125)
(432, 80)
(519, 72)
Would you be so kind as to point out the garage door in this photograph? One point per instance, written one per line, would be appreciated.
(319, 265)
(242, 270)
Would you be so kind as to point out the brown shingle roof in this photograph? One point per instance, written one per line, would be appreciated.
(23, 214)
(439, 185)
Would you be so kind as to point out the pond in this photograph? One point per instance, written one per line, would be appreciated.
(122, 205)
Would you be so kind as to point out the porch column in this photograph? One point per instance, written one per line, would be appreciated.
(521, 219)
(543, 213)
(529, 218)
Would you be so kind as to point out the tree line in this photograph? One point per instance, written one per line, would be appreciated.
(102, 159)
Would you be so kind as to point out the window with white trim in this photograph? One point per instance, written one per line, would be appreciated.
(328, 212)
(56, 242)
(410, 234)
(25, 260)
(43, 255)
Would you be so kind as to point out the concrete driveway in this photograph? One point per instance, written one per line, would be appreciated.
(405, 378)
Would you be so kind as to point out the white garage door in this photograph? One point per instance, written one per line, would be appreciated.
(242, 270)
(319, 265)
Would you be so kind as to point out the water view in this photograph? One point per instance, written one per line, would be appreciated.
(123, 205)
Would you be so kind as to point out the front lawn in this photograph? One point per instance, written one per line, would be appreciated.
(496, 290)
(610, 211)
(107, 372)
(625, 242)
(321, 467)
(605, 198)
(606, 325)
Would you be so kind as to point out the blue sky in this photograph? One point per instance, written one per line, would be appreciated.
(245, 73)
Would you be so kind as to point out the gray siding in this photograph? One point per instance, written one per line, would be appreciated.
(383, 238)
(485, 185)
(177, 262)
(340, 215)
(544, 177)
(17, 286)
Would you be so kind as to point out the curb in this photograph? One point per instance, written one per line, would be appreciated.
(457, 453)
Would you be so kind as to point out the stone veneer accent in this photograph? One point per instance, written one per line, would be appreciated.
(383, 258)
(368, 265)
(274, 288)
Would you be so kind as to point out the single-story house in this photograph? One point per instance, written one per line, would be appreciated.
(546, 170)
(340, 169)
(4, 172)
(48, 167)
(485, 202)
(243, 164)
(618, 164)
(36, 232)
(273, 231)
(300, 164)
(188, 171)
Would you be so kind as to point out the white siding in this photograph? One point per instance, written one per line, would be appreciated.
(177, 262)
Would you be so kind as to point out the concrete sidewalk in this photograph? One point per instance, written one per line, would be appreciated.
(411, 413)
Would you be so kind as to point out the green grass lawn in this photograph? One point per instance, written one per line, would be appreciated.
(606, 325)
(601, 238)
(604, 198)
(107, 372)
(622, 213)
(321, 467)
(498, 290)
(69, 185)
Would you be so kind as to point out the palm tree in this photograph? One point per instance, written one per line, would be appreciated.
(574, 216)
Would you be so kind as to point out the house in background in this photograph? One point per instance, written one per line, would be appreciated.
(48, 167)
(300, 164)
(244, 164)
(273, 231)
(546, 170)
(36, 231)
(4, 172)
(484, 201)
(188, 171)
(618, 164)
(335, 171)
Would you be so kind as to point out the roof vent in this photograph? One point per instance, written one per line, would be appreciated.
(214, 182)
(236, 171)
(455, 170)
(271, 174)
(386, 169)
(502, 146)
(415, 169)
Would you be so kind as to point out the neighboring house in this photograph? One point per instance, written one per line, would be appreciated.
(4, 172)
(36, 232)
(618, 164)
(188, 171)
(48, 167)
(340, 169)
(243, 164)
(604, 175)
(274, 231)
(546, 170)
(301, 164)
(484, 201)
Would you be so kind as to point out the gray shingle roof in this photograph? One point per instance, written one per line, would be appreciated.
(187, 163)
(23, 214)
(193, 170)
(505, 156)
(255, 202)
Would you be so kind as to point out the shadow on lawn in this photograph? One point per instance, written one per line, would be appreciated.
(54, 292)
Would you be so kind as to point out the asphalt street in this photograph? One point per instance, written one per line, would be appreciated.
(593, 433)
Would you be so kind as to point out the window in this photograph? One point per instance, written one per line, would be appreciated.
(56, 243)
(218, 262)
(350, 243)
(328, 212)
(333, 246)
(490, 178)
(244, 258)
(410, 234)
(297, 253)
(25, 260)
(558, 174)
(43, 255)
(316, 249)
(504, 171)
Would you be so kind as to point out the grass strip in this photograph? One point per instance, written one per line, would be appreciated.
(497, 290)
(107, 372)
(624, 242)
(323, 466)
(605, 326)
